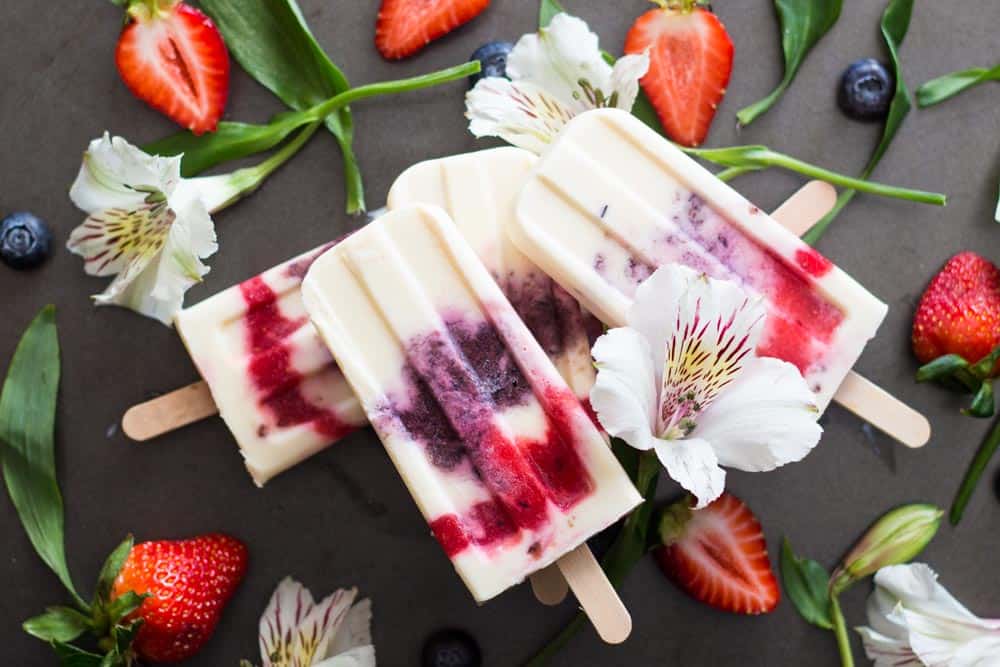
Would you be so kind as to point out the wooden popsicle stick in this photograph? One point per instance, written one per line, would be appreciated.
(549, 586)
(169, 412)
(862, 397)
(596, 595)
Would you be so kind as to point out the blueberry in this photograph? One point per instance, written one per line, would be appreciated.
(451, 648)
(25, 241)
(866, 90)
(493, 57)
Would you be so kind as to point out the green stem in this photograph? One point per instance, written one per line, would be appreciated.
(840, 632)
(732, 172)
(976, 469)
(760, 158)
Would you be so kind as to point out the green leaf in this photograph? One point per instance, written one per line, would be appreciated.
(27, 443)
(807, 584)
(629, 546)
(944, 87)
(272, 42)
(71, 656)
(547, 10)
(123, 605)
(803, 23)
(982, 403)
(124, 635)
(109, 571)
(972, 476)
(895, 23)
(944, 366)
(62, 624)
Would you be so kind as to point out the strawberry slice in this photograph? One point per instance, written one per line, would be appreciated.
(690, 60)
(172, 57)
(718, 555)
(406, 26)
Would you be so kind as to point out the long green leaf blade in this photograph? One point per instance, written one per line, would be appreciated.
(806, 583)
(271, 41)
(895, 23)
(548, 9)
(945, 87)
(803, 23)
(27, 442)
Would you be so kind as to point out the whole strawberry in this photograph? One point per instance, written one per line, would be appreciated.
(188, 582)
(956, 329)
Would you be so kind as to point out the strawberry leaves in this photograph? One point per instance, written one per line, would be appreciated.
(803, 24)
(953, 371)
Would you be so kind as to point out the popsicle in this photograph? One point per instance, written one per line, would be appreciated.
(612, 200)
(272, 379)
(478, 190)
(503, 461)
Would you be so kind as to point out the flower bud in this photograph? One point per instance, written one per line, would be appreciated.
(894, 539)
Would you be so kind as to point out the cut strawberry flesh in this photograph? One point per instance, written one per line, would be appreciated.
(178, 64)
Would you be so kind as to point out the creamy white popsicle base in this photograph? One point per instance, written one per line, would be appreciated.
(612, 200)
(501, 458)
(479, 191)
(271, 376)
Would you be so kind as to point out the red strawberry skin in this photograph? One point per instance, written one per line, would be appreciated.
(720, 558)
(959, 312)
(189, 583)
(407, 26)
(690, 62)
(175, 60)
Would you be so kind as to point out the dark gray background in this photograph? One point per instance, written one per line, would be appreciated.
(344, 518)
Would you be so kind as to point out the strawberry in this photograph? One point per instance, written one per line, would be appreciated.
(172, 57)
(959, 312)
(718, 555)
(188, 582)
(406, 26)
(956, 329)
(690, 60)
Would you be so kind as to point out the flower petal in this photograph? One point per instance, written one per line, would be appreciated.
(701, 332)
(764, 419)
(558, 58)
(116, 174)
(356, 630)
(887, 651)
(522, 114)
(362, 656)
(112, 239)
(294, 630)
(692, 464)
(625, 77)
(624, 393)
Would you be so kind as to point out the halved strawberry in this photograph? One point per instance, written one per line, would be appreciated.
(172, 57)
(406, 26)
(718, 555)
(690, 60)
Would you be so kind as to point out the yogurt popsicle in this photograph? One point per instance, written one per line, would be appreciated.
(272, 378)
(479, 190)
(612, 200)
(502, 460)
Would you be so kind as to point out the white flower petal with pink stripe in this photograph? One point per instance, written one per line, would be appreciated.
(295, 631)
(684, 379)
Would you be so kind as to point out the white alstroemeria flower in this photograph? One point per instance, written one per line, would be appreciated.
(683, 379)
(554, 75)
(295, 631)
(914, 620)
(146, 225)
